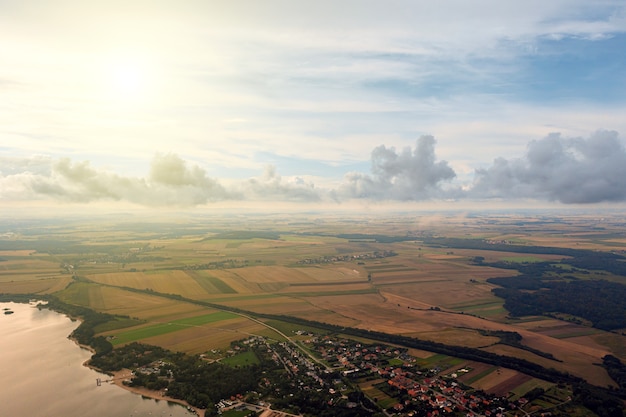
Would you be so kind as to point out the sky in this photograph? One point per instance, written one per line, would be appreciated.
(313, 103)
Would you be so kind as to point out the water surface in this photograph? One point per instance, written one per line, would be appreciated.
(42, 372)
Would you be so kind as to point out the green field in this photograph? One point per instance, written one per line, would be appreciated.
(237, 413)
(440, 361)
(144, 333)
(205, 319)
(481, 375)
(169, 327)
(241, 359)
(116, 325)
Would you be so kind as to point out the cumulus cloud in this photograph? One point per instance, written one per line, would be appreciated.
(36, 164)
(406, 175)
(171, 182)
(555, 168)
(271, 186)
(568, 170)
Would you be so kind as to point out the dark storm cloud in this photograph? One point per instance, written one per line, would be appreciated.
(406, 175)
(568, 170)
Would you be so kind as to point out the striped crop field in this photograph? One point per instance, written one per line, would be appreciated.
(217, 335)
(211, 283)
(153, 330)
(324, 289)
(35, 286)
(231, 278)
(28, 269)
(167, 282)
(129, 303)
(265, 274)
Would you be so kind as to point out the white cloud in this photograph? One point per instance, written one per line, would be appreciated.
(171, 183)
(568, 170)
(406, 175)
(272, 187)
(326, 81)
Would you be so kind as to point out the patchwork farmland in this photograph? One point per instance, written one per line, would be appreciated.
(392, 279)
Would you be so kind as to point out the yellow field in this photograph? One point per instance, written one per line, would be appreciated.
(270, 274)
(137, 305)
(28, 269)
(13, 253)
(232, 279)
(273, 305)
(577, 360)
(443, 293)
(167, 282)
(37, 286)
(326, 288)
(458, 337)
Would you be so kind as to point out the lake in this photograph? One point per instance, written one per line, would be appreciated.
(42, 372)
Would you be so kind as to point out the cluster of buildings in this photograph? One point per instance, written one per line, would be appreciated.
(399, 376)
(153, 368)
(347, 258)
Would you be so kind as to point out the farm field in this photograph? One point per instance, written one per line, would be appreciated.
(323, 268)
(371, 391)
(168, 282)
(25, 271)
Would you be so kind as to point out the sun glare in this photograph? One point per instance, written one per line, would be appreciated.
(127, 79)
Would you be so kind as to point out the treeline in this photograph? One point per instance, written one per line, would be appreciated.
(482, 244)
(225, 264)
(377, 238)
(84, 334)
(578, 258)
(531, 275)
(514, 339)
(244, 235)
(542, 288)
(616, 370)
(601, 302)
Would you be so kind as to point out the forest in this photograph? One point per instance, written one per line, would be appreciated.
(546, 287)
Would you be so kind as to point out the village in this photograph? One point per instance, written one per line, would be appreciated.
(348, 258)
(347, 367)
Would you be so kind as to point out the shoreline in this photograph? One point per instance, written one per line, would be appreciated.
(118, 378)
(65, 371)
